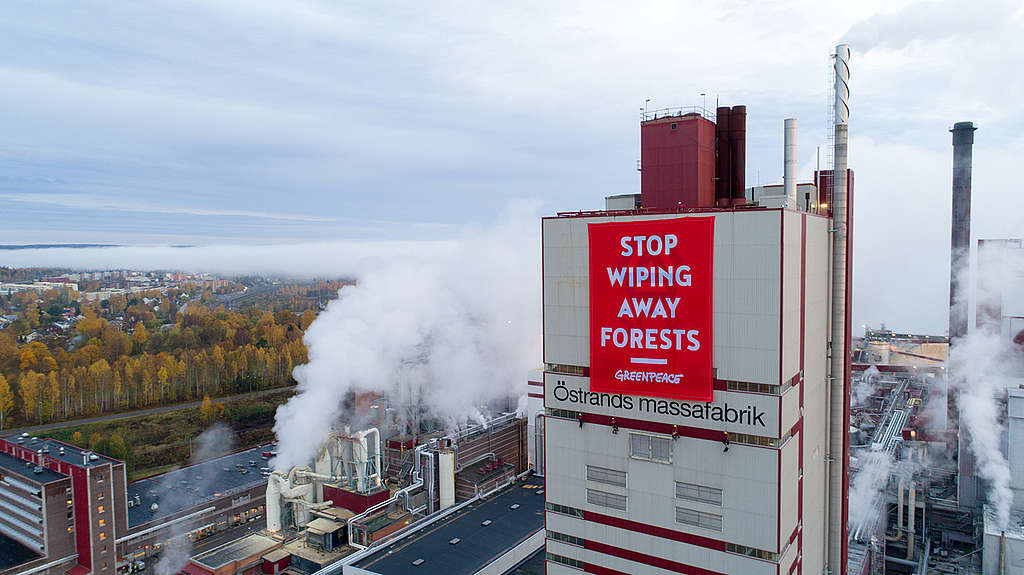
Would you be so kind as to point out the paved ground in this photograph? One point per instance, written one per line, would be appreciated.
(128, 414)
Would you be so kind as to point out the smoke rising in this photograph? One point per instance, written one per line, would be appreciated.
(979, 363)
(448, 333)
(875, 467)
(928, 21)
(865, 386)
(215, 441)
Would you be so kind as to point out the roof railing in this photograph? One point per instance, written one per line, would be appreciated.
(677, 112)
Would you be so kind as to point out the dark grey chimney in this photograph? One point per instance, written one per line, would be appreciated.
(960, 249)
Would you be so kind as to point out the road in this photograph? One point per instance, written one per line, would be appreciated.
(128, 414)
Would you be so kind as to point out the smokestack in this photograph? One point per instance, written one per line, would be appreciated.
(839, 373)
(960, 246)
(738, 155)
(723, 167)
(789, 161)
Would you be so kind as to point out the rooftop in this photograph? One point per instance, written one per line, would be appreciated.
(51, 448)
(194, 485)
(478, 545)
(27, 469)
(244, 548)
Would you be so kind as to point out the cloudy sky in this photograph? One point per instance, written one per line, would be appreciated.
(263, 122)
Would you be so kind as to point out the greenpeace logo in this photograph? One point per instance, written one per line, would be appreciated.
(748, 415)
(647, 376)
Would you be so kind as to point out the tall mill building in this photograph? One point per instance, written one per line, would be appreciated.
(693, 407)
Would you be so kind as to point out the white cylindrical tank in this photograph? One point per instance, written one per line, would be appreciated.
(789, 162)
(446, 477)
(274, 501)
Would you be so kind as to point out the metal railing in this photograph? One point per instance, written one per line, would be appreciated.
(648, 115)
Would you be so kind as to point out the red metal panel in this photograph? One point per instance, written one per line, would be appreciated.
(646, 559)
(677, 159)
(354, 502)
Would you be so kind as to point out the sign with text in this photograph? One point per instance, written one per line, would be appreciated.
(650, 307)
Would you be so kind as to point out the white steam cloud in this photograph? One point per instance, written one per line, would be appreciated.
(979, 364)
(865, 386)
(447, 332)
(872, 477)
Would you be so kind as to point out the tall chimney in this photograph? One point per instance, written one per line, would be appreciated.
(839, 364)
(789, 161)
(960, 247)
(738, 155)
(723, 167)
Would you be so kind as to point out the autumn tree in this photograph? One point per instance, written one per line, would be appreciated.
(6, 399)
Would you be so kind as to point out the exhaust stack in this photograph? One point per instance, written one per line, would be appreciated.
(789, 161)
(839, 365)
(960, 241)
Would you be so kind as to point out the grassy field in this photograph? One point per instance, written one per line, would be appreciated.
(156, 443)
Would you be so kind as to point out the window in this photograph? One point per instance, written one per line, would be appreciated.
(650, 447)
(570, 539)
(751, 552)
(103, 549)
(698, 519)
(102, 522)
(563, 413)
(103, 536)
(639, 446)
(70, 502)
(564, 509)
(99, 478)
(603, 475)
(661, 449)
(701, 493)
(68, 492)
(99, 509)
(100, 496)
(605, 499)
(674, 126)
(70, 529)
(565, 560)
(71, 514)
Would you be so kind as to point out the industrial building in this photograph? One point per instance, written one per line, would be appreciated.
(694, 398)
(76, 513)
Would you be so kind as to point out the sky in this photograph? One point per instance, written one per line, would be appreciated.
(263, 123)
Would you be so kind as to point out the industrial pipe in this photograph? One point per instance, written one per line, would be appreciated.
(899, 514)
(911, 512)
(723, 167)
(738, 154)
(789, 161)
(838, 480)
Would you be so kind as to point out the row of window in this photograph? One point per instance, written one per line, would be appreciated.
(564, 509)
(570, 539)
(753, 439)
(564, 413)
(569, 561)
(692, 517)
(751, 552)
(567, 369)
(752, 387)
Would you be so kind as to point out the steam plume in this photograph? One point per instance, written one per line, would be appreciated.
(867, 484)
(446, 332)
(865, 386)
(979, 363)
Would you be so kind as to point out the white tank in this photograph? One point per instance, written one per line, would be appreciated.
(274, 501)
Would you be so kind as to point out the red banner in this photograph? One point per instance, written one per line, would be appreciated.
(650, 307)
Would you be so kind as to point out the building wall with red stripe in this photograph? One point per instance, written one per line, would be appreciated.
(770, 493)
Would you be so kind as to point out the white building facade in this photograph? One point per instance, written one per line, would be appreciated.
(637, 484)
